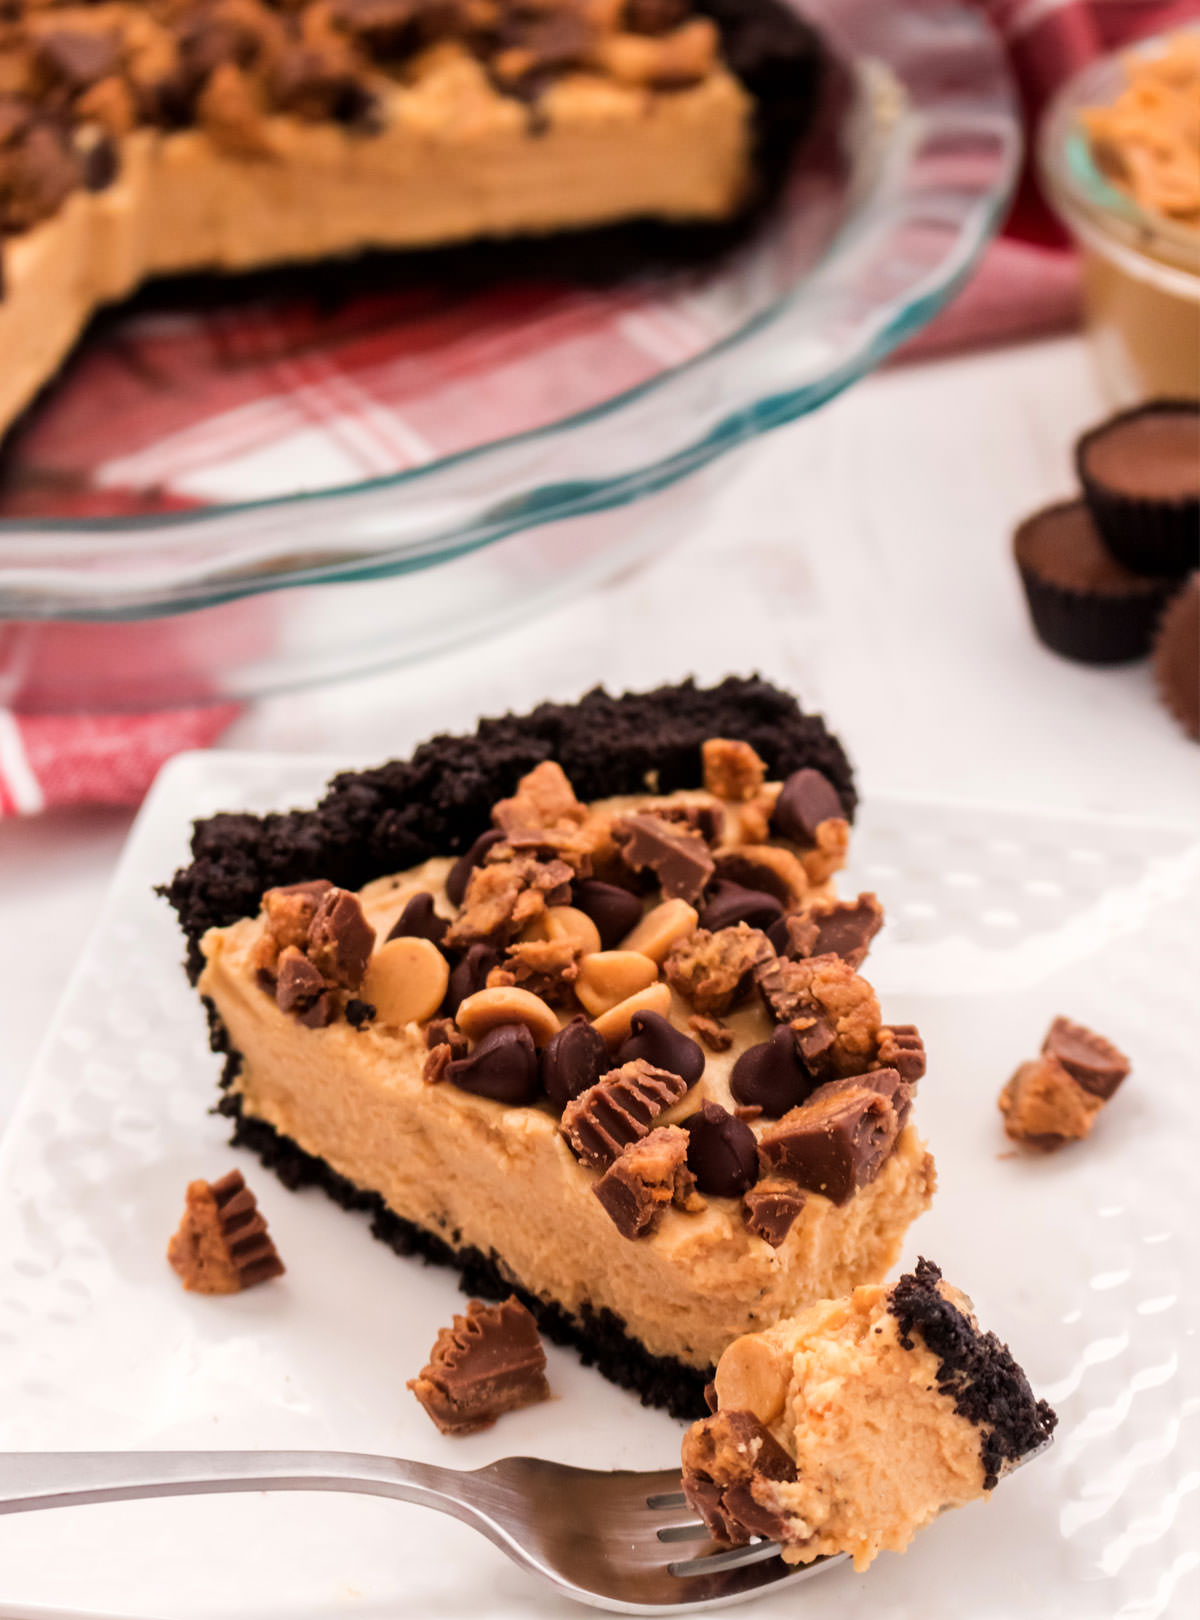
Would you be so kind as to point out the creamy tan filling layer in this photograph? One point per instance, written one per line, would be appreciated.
(879, 1451)
(454, 161)
(503, 1180)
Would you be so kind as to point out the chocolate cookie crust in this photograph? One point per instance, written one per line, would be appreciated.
(975, 1369)
(374, 822)
(598, 1336)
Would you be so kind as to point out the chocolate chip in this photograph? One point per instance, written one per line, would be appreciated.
(99, 158)
(836, 1142)
(656, 1041)
(772, 1076)
(419, 920)
(770, 1210)
(808, 798)
(459, 874)
(340, 939)
(469, 975)
(359, 1013)
(679, 859)
(573, 1060)
(1087, 1057)
(613, 910)
(722, 1152)
(503, 1065)
(76, 60)
(729, 903)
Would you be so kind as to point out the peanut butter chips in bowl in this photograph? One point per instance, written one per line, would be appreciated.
(637, 236)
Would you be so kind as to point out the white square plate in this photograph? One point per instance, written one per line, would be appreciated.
(1085, 1261)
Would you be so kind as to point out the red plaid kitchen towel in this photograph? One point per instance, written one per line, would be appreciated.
(177, 409)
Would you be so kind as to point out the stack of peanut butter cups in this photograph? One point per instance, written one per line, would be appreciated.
(1110, 577)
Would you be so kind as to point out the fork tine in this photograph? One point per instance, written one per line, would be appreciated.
(684, 1532)
(666, 1499)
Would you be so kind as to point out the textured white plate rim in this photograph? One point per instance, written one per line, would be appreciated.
(310, 771)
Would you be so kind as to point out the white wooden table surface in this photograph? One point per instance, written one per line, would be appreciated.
(860, 557)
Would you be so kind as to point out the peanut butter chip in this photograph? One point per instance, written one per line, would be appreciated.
(608, 977)
(567, 924)
(660, 928)
(752, 1377)
(406, 980)
(614, 1024)
(507, 1004)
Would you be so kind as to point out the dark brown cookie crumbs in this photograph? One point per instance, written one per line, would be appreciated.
(975, 1369)
(376, 822)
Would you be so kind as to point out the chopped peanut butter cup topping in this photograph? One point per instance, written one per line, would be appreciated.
(315, 945)
(620, 1109)
(726, 1460)
(679, 857)
(491, 1361)
(1056, 1098)
(732, 770)
(824, 992)
(645, 1178)
(838, 1140)
(714, 971)
(770, 1209)
(831, 927)
(222, 1244)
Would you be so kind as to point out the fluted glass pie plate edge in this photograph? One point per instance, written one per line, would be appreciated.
(933, 143)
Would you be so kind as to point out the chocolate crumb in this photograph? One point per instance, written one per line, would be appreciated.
(717, 1036)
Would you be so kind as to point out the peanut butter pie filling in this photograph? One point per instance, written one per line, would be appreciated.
(615, 1054)
(847, 1427)
(169, 136)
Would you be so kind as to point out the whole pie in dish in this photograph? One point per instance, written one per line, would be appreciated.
(169, 136)
(571, 1004)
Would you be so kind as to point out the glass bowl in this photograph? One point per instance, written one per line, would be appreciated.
(309, 574)
(1141, 272)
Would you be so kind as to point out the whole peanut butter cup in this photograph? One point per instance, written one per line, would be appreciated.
(1140, 473)
(1083, 602)
(1177, 657)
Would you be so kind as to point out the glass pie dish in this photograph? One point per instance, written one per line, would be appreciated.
(1141, 271)
(426, 468)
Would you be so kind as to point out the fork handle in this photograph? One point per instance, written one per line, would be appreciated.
(44, 1479)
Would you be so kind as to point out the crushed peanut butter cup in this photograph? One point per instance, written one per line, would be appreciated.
(716, 970)
(732, 769)
(901, 1048)
(315, 946)
(842, 928)
(1057, 1097)
(770, 1210)
(491, 1361)
(725, 1457)
(1088, 1058)
(618, 1110)
(503, 895)
(645, 1179)
(222, 1245)
(839, 1139)
(824, 988)
(679, 857)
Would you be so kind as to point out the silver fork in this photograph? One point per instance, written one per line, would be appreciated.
(623, 1541)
